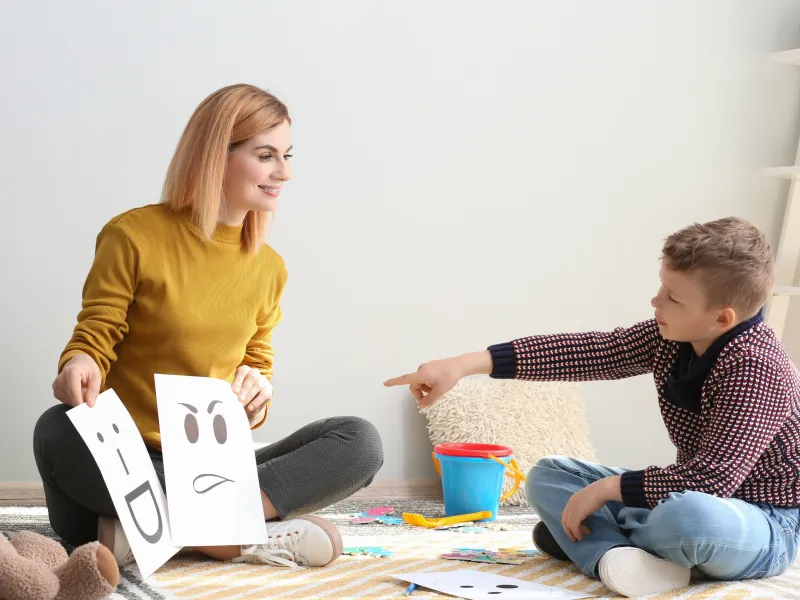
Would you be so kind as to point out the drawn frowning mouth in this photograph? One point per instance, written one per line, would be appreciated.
(208, 481)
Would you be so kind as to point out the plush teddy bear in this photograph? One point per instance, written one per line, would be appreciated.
(34, 567)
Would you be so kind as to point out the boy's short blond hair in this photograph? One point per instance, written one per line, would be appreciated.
(732, 258)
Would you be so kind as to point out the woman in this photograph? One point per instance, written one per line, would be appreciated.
(189, 287)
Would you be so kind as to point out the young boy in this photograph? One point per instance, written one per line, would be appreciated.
(729, 506)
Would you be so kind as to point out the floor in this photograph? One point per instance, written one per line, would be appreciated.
(190, 577)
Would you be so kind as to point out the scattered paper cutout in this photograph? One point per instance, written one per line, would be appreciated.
(380, 514)
(380, 511)
(502, 556)
(374, 551)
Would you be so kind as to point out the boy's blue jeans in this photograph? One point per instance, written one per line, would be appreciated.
(721, 538)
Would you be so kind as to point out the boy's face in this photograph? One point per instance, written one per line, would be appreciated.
(684, 313)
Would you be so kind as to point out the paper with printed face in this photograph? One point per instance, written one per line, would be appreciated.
(478, 585)
(120, 453)
(209, 463)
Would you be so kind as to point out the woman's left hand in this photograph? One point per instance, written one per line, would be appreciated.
(252, 389)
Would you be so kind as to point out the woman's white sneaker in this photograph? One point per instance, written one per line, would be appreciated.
(306, 541)
(112, 536)
(632, 572)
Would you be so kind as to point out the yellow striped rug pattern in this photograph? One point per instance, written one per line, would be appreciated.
(189, 577)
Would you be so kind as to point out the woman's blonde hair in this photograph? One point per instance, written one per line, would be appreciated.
(194, 180)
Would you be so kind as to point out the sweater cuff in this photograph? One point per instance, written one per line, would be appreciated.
(504, 361)
(67, 356)
(632, 485)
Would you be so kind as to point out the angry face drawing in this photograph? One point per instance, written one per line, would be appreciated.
(209, 463)
(205, 482)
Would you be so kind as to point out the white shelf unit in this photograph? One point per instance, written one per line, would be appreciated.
(785, 290)
(784, 172)
(787, 254)
(787, 57)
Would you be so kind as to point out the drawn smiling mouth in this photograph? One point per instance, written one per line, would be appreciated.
(208, 481)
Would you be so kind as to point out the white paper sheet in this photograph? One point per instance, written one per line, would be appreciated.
(119, 451)
(477, 585)
(209, 463)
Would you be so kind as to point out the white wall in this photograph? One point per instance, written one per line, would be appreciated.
(466, 172)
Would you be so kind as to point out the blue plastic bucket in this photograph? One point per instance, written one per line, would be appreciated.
(474, 483)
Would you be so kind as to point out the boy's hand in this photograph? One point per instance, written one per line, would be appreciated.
(431, 381)
(434, 379)
(587, 501)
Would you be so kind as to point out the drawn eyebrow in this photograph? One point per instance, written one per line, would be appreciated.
(211, 406)
(189, 406)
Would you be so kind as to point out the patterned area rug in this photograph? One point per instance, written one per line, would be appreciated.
(189, 576)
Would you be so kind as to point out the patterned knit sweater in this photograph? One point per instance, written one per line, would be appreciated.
(733, 413)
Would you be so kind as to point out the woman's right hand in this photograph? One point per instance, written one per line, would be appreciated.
(434, 379)
(78, 382)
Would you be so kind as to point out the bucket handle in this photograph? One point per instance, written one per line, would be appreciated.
(511, 465)
(515, 473)
(436, 464)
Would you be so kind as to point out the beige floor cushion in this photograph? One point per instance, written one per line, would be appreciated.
(535, 419)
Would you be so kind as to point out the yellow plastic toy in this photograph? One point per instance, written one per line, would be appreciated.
(420, 521)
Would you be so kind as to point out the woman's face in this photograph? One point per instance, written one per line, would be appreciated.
(256, 171)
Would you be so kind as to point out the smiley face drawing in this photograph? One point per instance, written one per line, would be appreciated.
(209, 463)
(137, 492)
(205, 482)
(120, 453)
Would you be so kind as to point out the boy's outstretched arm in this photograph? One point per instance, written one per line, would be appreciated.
(623, 352)
(748, 406)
